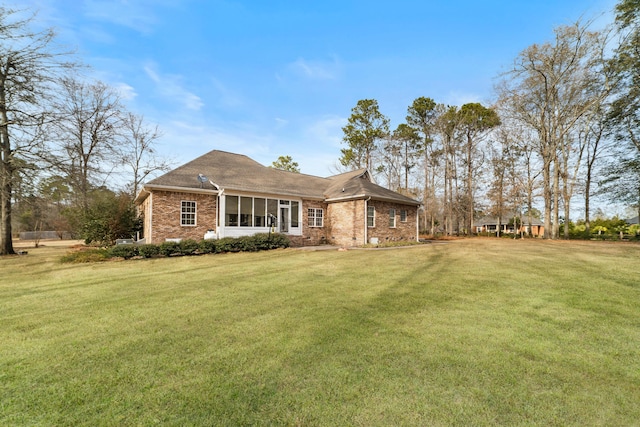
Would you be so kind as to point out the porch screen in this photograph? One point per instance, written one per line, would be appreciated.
(272, 207)
(246, 211)
(294, 213)
(231, 209)
(259, 212)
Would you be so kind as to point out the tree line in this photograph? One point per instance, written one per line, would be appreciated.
(564, 124)
(71, 156)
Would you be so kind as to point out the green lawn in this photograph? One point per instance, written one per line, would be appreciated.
(473, 332)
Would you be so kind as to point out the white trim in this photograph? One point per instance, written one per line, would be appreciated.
(315, 217)
(150, 238)
(367, 216)
(340, 199)
(179, 189)
(418, 223)
(366, 221)
(195, 213)
(236, 231)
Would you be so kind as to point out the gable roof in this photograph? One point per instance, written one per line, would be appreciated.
(230, 171)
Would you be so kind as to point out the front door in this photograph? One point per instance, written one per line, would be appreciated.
(284, 220)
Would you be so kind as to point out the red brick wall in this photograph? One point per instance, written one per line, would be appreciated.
(402, 231)
(165, 218)
(312, 236)
(344, 222)
(347, 223)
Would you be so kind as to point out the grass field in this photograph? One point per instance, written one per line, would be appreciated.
(472, 332)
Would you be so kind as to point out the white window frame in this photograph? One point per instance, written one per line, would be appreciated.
(392, 218)
(373, 217)
(187, 213)
(313, 219)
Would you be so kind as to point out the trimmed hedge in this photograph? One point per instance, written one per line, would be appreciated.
(257, 242)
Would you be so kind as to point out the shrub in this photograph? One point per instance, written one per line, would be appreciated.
(257, 242)
(227, 244)
(123, 251)
(91, 255)
(189, 247)
(169, 248)
(265, 241)
(208, 246)
(148, 250)
(246, 244)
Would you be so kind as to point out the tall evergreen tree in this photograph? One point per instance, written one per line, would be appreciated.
(365, 128)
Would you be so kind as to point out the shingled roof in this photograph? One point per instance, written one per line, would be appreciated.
(230, 171)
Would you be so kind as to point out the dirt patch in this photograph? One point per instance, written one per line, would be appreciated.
(25, 244)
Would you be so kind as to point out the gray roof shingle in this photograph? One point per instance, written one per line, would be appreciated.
(238, 172)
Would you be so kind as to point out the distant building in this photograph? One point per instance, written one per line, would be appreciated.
(506, 223)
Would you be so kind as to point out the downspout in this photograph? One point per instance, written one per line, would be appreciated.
(417, 224)
(366, 218)
(219, 213)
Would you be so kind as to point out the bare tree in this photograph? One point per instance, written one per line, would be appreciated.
(30, 66)
(137, 150)
(88, 133)
(592, 133)
(549, 89)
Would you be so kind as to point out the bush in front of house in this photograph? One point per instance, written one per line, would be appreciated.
(209, 246)
(123, 251)
(189, 247)
(265, 241)
(148, 250)
(257, 242)
(169, 248)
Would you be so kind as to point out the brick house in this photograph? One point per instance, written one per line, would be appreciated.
(490, 224)
(223, 194)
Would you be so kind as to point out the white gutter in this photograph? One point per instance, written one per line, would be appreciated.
(338, 199)
(181, 189)
(366, 218)
(382, 199)
(219, 212)
(150, 218)
(418, 223)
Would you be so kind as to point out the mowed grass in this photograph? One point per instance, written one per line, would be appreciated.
(474, 332)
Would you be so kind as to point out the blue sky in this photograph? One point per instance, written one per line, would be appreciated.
(271, 78)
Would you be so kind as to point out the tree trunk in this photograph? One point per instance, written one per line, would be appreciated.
(6, 178)
(556, 199)
(470, 206)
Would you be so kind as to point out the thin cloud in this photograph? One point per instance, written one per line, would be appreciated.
(327, 130)
(127, 92)
(460, 98)
(314, 69)
(280, 123)
(127, 13)
(227, 97)
(192, 140)
(169, 87)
